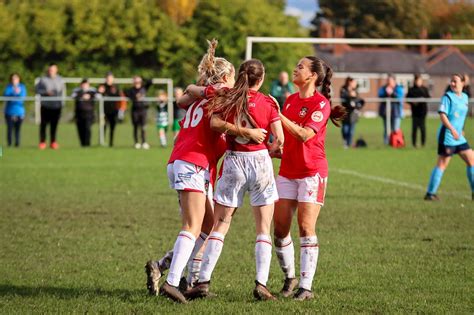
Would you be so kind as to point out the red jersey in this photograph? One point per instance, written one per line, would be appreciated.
(197, 143)
(263, 112)
(300, 159)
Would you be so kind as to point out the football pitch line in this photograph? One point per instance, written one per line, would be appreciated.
(390, 181)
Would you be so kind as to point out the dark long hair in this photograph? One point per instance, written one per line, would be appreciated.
(235, 101)
(324, 72)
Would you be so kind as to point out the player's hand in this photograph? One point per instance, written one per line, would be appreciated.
(455, 134)
(257, 135)
(275, 103)
(275, 151)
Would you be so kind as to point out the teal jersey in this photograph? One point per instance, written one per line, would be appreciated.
(455, 107)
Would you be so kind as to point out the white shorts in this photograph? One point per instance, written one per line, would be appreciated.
(246, 171)
(186, 176)
(308, 189)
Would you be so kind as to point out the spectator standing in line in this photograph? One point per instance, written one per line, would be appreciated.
(85, 97)
(51, 85)
(137, 94)
(178, 112)
(418, 110)
(111, 108)
(353, 103)
(391, 90)
(282, 88)
(14, 110)
(162, 117)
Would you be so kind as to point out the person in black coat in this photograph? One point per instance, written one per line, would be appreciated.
(137, 94)
(85, 97)
(111, 108)
(418, 110)
(353, 103)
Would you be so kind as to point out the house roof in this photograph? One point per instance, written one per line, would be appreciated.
(439, 61)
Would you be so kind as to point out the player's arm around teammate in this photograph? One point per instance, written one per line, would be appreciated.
(453, 112)
(303, 173)
(247, 167)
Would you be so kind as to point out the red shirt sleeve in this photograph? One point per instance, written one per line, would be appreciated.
(274, 116)
(318, 117)
(209, 92)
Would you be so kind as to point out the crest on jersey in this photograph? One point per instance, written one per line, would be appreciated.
(303, 111)
(317, 116)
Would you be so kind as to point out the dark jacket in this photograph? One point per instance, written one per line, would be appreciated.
(136, 96)
(84, 102)
(418, 109)
(352, 104)
(110, 107)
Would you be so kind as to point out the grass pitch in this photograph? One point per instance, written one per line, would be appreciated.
(77, 226)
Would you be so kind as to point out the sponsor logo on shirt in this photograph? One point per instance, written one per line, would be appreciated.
(252, 105)
(317, 116)
(287, 106)
(303, 111)
(322, 104)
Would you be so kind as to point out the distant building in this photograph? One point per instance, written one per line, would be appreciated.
(369, 66)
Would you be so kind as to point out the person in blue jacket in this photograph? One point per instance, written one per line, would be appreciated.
(391, 90)
(452, 111)
(14, 110)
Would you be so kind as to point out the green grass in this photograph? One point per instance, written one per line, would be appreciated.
(77, 226)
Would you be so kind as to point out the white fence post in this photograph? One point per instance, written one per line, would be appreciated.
(388, 118)
(101, 122)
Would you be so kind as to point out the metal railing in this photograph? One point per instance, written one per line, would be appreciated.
(38, 99)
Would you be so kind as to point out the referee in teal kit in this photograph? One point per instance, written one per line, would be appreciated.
(453, 111)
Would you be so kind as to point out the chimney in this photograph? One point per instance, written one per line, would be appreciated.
(424, 35)
(339, 49)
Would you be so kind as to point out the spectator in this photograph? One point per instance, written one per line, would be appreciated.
(111, 108)
(136, 94)
(353, 103)
(391, 90)
(418, 110)
(178, 112)
(51, 85)
(14, 110)
(162, 117)
(85, 97)
(282, 88)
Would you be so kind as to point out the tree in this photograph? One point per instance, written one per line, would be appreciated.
(398, 18)
(376, 18)
(232, 21)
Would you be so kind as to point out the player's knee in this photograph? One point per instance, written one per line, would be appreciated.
(281, 231)
(306, 229)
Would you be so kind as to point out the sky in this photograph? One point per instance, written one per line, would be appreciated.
(304, 9)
